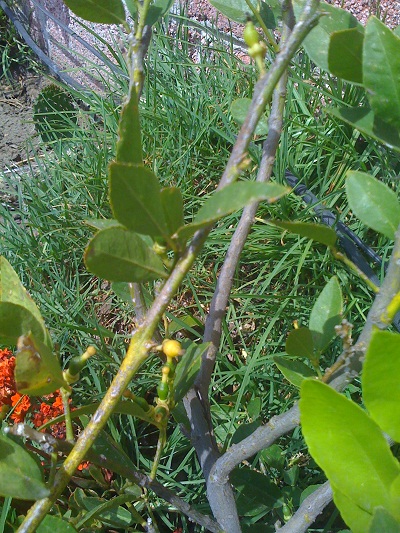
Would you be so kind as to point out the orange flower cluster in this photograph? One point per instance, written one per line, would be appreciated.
(48, 409)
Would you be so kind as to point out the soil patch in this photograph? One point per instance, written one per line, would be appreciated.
(17, 130)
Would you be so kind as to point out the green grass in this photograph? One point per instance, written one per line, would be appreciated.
(187, 135)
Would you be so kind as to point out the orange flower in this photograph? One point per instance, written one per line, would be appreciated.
(21, 406)
(7, 382)
(83, 466)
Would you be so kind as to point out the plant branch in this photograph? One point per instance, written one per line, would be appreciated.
(308, 511)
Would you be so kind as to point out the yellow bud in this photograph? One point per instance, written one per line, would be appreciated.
(172, 348)
(250, 34)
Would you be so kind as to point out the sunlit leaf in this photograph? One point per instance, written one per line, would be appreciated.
(345, 54)
(326, 314)
(135, 197)
(117, 254)
(373, 203)
(37, 369)
(362, 467)
(18, 312)
(102, 11)
(294, 370)
(317, 232)
(381, 71)
(381, 381)
(230, 199)
(366, 122)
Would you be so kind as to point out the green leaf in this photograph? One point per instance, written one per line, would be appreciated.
(274, 456)
(102, 223)
(345, 54)
(381, 71)
(238, 10)
(299, 343)
(129, 145)
(18, 312)
(51, 524)
(102, 11)
(172, 202)
(373, 203)
(244, 430)
(256, 492)
(117, 254)
(157, 9)
(37, 370)
(383, 522)
(381, 381)
(230, 199)
(355, 517)
(123, 291)
(294, 371)
(136, 200)
(348, 445)
(366, 122)
(333, 20)
(239, 110)
(20, 474)
(326, 314)
(187, 369)
(109, 512)
(317, 232)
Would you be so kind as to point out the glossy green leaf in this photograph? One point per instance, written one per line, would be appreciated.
(20, 475)
(383, 522)
(129, 145)
(102, 11)
(345, 54)
(37, 369)
(354, 516)
(172, 202)
(52, 524)
(334, 19)
(299, 343)
(109, 512)
(117, 254)
(238, 10)
(317, 232)
(366, 122)
(381, 381)
(239, 110)
(381, 71)
(244, 431)
(136, 200)
(157, 9)
(187, 369)
(326, 314)
(373, 203)
(230, 199)
(274, 456)
(123, 291)
(18, 312)
(256, 492)
(362, 467)
(294, 371)
(102, 223)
